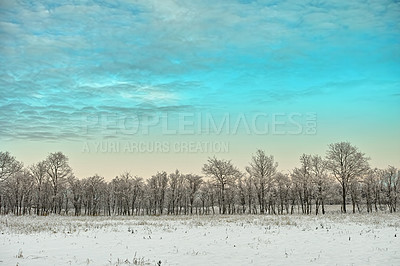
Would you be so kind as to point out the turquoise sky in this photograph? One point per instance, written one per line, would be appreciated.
(73, 73)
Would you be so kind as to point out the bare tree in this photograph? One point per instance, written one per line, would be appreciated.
(321, 181)
(371, 188)
(137, 192)
(210, 189)
(175, 182)
(39, 172)
(242, 194)
(250, 194)
(346, 163)
(58, 170)
(8, 165)
(122, 187)
(94, 188)
(283, 186)
(355, 189)
(262, 170)
(302, 181)
(391, 184)
(230, 196)
(75, 185)
(194, 182)
(50, 186)
(223, 173)
(19, 188)
(158, 185)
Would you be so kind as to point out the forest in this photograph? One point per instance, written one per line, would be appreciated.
(343, 176)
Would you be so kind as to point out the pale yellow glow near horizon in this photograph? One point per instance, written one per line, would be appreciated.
(110, 163)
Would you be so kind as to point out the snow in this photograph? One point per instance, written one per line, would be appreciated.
(332, 239)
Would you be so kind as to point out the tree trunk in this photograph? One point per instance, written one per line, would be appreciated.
(223, 199)
(343, 198)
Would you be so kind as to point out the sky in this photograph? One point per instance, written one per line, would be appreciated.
(146, 86)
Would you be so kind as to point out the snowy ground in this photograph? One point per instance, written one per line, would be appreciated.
(333, 239)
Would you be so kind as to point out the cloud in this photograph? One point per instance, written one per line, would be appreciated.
(59, 60)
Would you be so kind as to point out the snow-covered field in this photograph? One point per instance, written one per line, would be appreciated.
(333, 239)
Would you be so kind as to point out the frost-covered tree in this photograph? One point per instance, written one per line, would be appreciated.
(346, 163)
(39, 173)
(176, 191)
(137, 186)
(50, 186)
(76, 189)
(158, 186)
(211, 190)
(262, 170)
(9, 167)
(241, 190)
(391, 183)
(249, 191)
(94, 194)
(58, 170)
(321, 180)
(301, 177)
(193, 184)
(282, 186)
(18, 191)
(224, 174)
(122, 192)
(371, 188)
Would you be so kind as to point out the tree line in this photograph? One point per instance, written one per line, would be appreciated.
(342, 176)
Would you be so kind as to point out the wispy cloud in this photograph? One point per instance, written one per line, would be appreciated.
(60, 60)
